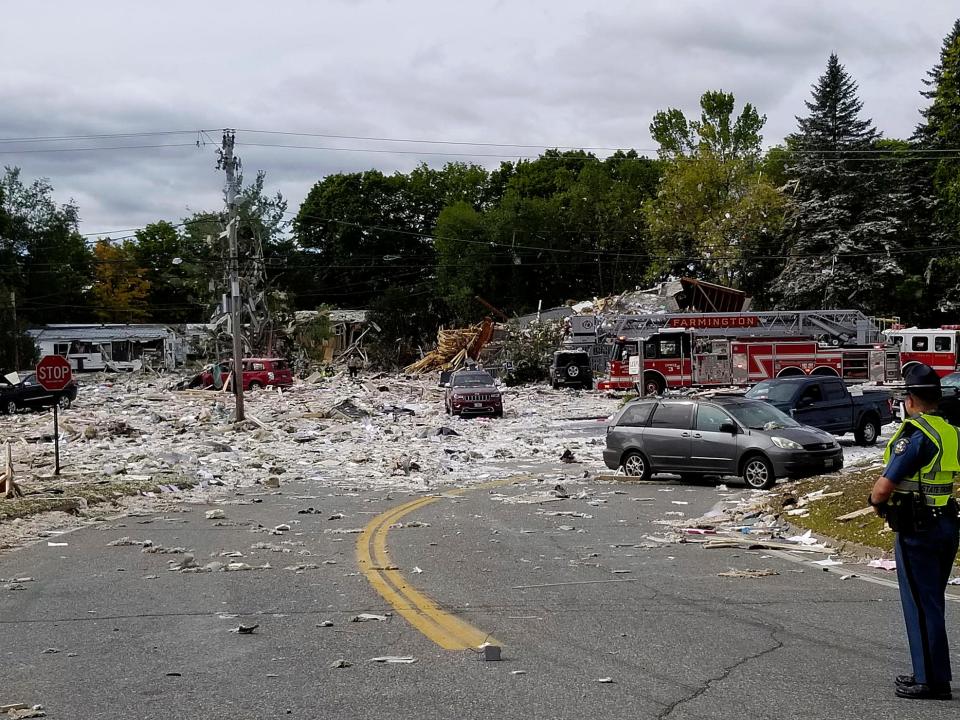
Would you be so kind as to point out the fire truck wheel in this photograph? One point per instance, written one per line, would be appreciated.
(635, 465)
(868, 431)
(653, 384)
(758, 472)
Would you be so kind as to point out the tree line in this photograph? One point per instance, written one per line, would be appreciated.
(833, 216)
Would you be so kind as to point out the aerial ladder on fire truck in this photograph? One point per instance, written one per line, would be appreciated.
(831, 327)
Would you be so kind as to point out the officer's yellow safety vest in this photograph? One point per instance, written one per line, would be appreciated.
(935, 479)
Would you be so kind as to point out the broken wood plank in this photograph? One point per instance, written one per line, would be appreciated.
(855, 514)
(754, 544)
(7, 484)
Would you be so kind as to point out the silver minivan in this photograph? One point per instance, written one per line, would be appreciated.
(719, 436)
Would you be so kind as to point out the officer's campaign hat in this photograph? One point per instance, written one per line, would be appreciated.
(922, 380)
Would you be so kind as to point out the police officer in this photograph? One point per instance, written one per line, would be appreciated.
(915, 495)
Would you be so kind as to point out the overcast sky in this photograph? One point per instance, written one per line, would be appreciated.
(542, 72)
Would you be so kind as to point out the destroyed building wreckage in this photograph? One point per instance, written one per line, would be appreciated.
(387, 431)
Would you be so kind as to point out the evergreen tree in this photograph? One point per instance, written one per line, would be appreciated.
(935, 181)
(843, 233)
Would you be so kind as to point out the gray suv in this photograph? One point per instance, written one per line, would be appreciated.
(717, 436)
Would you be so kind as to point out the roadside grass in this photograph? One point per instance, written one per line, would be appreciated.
(868, 531)
(855, 484)
(77, 497)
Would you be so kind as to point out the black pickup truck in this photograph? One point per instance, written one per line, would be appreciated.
(825, 403)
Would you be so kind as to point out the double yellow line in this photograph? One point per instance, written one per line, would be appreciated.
(446, 630)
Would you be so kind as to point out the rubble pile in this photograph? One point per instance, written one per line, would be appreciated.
(454, 348)
(390, 432)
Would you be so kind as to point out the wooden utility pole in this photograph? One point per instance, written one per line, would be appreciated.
(16, 331)
(229, 164)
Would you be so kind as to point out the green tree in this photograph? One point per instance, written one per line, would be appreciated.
(174, 268)
(465, 260)
(844, 232)
(714, 216)
(933, 177)
(44, 258)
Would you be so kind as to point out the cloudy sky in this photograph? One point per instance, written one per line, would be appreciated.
(537, 72)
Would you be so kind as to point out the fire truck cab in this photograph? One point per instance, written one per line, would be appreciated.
(934, 347)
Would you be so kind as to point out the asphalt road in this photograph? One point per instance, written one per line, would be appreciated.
(571, 599)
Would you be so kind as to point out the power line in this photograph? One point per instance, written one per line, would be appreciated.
(101, 136)
(437, 142)
(428, 141)
(102, 147)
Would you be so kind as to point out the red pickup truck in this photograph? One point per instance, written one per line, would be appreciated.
(257, 373)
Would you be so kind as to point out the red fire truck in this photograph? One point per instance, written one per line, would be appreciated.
(722, 349)
(936, 347)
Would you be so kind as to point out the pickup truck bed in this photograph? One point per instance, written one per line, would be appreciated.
(826, 403)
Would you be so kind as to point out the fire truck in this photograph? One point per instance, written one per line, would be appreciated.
(673, 350)
(935, 347)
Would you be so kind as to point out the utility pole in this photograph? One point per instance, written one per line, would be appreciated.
(229, 164)
(16, 331)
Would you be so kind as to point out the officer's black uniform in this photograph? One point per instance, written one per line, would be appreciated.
(925, 556)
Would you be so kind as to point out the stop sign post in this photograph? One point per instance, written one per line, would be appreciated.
(53, 374)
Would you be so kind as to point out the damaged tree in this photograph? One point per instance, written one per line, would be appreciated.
(455, 348)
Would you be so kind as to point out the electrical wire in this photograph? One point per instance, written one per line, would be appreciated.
(93, 149)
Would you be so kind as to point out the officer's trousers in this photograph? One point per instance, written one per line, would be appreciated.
(924, 563)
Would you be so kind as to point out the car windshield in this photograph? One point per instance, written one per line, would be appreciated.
(472, 380)
(761, 416)
(951, 380)
(772, 390)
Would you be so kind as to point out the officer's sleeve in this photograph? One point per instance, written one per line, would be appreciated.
(908, 456)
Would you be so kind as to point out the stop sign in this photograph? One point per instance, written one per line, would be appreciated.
(54, 372)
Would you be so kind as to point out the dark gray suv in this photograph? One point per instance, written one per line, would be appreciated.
(571, 368)
(717, 436)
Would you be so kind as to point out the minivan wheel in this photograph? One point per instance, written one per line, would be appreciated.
(635, 465)
(64, 402)
(868, 432)
(758, 473)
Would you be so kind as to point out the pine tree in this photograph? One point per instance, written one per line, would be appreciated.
(934, 182)
(843, 230)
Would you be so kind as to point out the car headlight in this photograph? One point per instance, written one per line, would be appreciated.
(786, 443)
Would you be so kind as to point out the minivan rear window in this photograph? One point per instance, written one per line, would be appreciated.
(673, 415)
(636, 415)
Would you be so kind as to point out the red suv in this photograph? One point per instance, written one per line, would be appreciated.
(472, 392)
(257, 373)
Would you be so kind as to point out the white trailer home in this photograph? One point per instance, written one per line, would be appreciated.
(111, 346)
